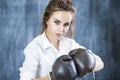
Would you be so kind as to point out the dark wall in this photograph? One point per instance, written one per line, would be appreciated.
(97, 28)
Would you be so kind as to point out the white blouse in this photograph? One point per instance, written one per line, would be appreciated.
(40, 55)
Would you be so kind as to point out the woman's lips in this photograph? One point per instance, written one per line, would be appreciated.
(58, 35)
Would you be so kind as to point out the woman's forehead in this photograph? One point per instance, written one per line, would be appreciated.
(62, 16)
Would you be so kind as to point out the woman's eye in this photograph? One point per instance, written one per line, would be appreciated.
(56, 22)
(66, 25)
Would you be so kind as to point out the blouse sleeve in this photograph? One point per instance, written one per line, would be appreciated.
(30, 64)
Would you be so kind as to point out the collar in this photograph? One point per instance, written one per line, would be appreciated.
(45, 42)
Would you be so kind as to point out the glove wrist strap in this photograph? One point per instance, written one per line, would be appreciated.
(51, 76)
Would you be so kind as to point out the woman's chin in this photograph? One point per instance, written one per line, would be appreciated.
(58, 38)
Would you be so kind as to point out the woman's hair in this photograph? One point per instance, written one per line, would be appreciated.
(59, 5)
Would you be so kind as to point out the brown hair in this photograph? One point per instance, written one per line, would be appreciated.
(59, 5)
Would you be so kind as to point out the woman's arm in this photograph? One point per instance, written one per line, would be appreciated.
(99, 64)
(44, 78)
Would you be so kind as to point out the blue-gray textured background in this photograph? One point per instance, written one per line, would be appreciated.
(97, 28)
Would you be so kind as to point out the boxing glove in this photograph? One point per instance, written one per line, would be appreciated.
(63, 69)
(84, 61)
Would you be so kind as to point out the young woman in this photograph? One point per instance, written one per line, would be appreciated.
(55, 40)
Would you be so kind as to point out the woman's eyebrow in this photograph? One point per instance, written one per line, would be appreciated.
(61, 21)
(57, 20)
(67, 23)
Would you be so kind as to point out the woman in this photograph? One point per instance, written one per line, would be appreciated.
(55, 40)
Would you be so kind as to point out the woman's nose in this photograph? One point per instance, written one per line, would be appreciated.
(61, 29)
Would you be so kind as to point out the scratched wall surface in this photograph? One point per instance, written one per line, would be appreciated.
(97, 28)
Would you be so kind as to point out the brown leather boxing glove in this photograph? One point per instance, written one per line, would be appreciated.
(84, 61)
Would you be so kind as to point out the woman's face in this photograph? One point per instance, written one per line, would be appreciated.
(58, 24)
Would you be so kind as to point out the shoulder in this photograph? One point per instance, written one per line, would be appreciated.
(34, 43)
(69, 40)
(33, 47)
(72, 43)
